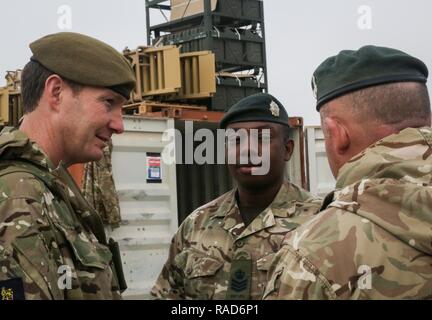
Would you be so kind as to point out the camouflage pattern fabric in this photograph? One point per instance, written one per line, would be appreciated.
(374, 239)
(202, 250)
(99, 188)
(43, 239)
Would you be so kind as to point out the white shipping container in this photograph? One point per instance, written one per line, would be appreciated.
(320, 177)
(148, 210)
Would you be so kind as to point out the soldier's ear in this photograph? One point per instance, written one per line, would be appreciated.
(289, 148)
(54, 86)
(337, 134)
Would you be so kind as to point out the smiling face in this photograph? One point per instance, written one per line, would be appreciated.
(279, 150)
(87, 120)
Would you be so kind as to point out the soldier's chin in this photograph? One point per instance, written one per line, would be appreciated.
(95, 155)
(252, 181)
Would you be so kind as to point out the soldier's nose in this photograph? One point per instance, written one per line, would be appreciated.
(116, 122)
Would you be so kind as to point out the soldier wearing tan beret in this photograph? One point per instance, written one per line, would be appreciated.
(52, 243)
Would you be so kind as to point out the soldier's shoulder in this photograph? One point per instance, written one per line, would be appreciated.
(22, 214)
(297, 203)
(210, 208)
(20, 184)
(299, 194)
(205, 215)
(333, 225)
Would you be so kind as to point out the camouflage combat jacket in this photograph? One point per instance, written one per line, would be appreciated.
(99, 188)
(44, 242)
(213, 236)
(374, 239)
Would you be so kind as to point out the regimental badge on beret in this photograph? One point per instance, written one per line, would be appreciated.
(274, 109)
(256, 107)
(314, 87)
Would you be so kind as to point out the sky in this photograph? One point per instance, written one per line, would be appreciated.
(299, 34)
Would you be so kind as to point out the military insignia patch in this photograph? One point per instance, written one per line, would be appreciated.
(240, 280)
(314, 87)
(12, 289)
(274, 109)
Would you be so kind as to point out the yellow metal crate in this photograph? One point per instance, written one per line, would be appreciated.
(11, 109)
(157, 71)
(4, 106)
(197, 75)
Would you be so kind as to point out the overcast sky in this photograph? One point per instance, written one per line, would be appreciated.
(300, 34)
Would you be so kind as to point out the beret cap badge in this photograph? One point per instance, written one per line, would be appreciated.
(257, 107)
(274, 109)
(314, 87)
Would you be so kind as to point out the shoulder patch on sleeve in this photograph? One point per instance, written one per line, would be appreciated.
(12, 289)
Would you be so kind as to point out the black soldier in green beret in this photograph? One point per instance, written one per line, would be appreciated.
(372, 239)
(52, 243)
(223, 249)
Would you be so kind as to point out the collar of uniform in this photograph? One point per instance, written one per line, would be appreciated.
(60, 168)
(15, 144)
(278, 208)
(284, 204)
(264, 220)
(388, 157)
(225, 204)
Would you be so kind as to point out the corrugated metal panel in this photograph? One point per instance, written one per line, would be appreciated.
(320, 177)
(149, 210)
(198, 184)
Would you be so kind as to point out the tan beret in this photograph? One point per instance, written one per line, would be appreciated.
(84, 60)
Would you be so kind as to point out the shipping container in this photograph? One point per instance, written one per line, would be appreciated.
(320, 177)
(148, 201)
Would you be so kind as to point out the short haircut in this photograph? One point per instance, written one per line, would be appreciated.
(33, 79)
(392, 103)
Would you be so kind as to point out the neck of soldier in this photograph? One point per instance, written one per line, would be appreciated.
(39, 130)
(252, 202)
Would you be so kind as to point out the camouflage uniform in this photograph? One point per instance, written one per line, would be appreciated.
(43, 237)
(214, 235)
(374, 240)
(99, 188)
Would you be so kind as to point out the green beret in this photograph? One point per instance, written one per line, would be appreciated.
(368, 66)
(84, 60)
(257, 107)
